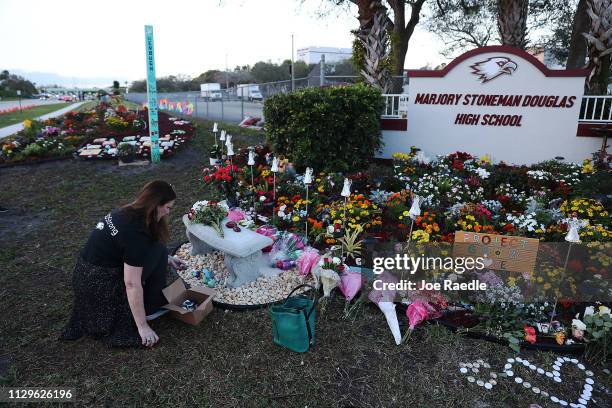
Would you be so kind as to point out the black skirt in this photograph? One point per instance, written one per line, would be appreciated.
(101, 308)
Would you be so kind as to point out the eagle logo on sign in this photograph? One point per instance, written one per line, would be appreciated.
(493, 67)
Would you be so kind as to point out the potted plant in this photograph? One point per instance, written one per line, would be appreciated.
(127, 152)
(215, 155)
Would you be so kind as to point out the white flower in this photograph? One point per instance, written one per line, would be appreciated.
(578, 324)
(330, 229)
(603, 310)
(262, 198)
(336, 260)
(199, 204)
(482, 173)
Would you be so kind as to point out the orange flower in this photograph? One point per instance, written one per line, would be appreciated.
(560, 337)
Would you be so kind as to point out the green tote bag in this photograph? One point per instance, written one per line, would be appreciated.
(293, 322)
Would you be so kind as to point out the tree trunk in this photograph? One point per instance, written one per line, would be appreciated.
(373, 35)
(512, 22)
(578, 45)
(603, 79)
(402, 32)
(599, 38)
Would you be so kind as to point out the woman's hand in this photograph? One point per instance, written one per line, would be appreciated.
(148, 336)
(176, 263)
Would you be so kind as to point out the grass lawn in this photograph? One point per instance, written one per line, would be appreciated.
(229, 360)
(18, 117)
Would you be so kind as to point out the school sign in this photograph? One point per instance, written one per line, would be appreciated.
(499, 101)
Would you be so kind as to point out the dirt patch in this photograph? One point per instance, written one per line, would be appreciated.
(16, 223)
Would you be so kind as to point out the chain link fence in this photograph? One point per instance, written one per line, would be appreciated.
(231, 108)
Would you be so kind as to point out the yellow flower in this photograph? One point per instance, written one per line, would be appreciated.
(420, 236)
(27, 123)
(320, 189)
(547, 286)
(512, 281)
(295, 218)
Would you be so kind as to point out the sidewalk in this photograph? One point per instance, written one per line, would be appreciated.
(11, 130)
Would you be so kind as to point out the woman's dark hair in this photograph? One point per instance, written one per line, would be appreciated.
(151, 196)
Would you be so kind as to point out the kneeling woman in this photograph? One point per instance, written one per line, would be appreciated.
(121, 271)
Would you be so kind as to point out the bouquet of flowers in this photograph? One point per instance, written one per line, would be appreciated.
(208, 213)
(225, 180)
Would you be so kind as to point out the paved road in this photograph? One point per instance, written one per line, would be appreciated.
(226, 111)
(25, 102)
(11, 130)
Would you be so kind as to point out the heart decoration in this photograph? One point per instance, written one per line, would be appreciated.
(473, 368)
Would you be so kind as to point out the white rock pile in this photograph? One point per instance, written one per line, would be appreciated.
(261, 291)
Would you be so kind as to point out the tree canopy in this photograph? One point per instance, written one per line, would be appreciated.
(11, 83)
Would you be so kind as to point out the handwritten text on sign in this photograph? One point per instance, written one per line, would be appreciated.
(501, 252)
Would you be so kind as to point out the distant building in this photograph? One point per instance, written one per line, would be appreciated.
(312, 55)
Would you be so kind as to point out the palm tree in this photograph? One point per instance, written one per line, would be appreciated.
(600, 45)
(512, 22)
(373, 38)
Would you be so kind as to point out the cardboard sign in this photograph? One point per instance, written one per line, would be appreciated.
(501, 252)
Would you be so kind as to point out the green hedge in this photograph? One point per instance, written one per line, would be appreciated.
(328, 129)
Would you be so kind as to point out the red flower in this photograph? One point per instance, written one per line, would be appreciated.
(575, 265)
(530, 335)
(473, 181)
(457, 165)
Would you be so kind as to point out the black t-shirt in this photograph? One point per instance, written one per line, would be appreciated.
(120, 236)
